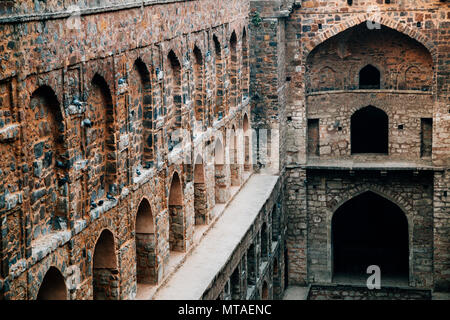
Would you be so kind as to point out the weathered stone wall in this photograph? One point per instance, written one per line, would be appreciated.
(404, 111)
(338, 292)
(311, 28)
(101, 88)
(327, 191)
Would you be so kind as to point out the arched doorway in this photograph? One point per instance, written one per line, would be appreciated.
(233, 75)
(370, 131)
(146, 262)
(370, 230)
(220, 174)
(247, 136)
(200, 202)
(176, 215)
(234, 162)
(53, 286)
(106, 275)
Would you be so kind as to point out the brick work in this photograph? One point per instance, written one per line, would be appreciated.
(88, 129)
(306, 63)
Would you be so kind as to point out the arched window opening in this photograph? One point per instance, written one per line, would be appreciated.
(200, 202)
(101, 136)
(369, 131)
(247, 139)
(174, 132)
(234, 161)
(105, 278)
(251, 266)
(233, 71)
(199, 98)
(146, 260)
(45, 133)
(369, 78)
(245, 67)
(53, 286)
(275, 222)
(220, 173)
(235, 285)
(370, 230)
(145, 111)
(264, 243)
(218, 110)
(176, 215)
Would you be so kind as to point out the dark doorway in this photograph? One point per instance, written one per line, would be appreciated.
(370, 230)
(369, 131)
(369, 78)
(53, 286)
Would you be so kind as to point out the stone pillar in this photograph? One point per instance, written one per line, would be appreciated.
(442, 231)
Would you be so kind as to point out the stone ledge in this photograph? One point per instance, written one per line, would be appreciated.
(318, 93)
(9, 133)
(44, 245)
(20, 18)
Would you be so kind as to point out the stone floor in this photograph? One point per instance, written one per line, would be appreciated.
(200, 268)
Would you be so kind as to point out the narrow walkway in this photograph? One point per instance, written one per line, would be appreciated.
(208, 258)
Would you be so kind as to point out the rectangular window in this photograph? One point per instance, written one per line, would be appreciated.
(313, 137)
(426, 137)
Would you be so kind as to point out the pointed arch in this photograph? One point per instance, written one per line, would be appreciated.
(219, 112)
(369, 77)
(245, 65)
(53, 286)
(102, 141)
(174, 114)
(384, 20)
(265, 251)
(200, 193)
(234, 160)
(199, 96)
(177, 221)
(247, 143)
(369, 229)
(146, 255)
(220, 173)
(45, 133)
(145, 113)
(233, 72)
(105, 267)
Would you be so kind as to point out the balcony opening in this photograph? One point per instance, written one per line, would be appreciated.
(369, 78)
(369, 131)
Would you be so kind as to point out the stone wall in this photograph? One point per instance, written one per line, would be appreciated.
(317, 40)
(339, 292)
(86, 105)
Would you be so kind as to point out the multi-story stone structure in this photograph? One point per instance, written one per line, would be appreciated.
(206, 149)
